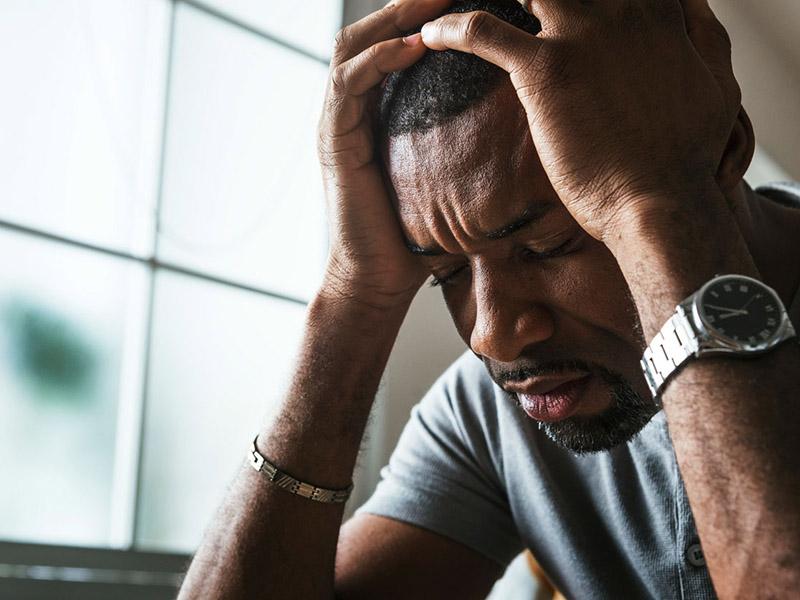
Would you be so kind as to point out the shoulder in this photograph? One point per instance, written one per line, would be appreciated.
(474, 417)
(466, 373)
(466, 399)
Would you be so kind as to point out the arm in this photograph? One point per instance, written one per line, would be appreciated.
(265, 542)
(382, 558)
(634, 111)
(733, 422)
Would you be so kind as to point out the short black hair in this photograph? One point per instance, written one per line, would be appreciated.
(442, 85)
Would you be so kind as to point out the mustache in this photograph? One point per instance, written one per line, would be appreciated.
(552, 367)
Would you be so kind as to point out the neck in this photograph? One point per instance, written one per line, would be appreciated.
(769, 230)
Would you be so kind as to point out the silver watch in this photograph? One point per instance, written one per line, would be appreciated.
(731, 314)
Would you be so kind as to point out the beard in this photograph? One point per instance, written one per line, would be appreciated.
(628, 413)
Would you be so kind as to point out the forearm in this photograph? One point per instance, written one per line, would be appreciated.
(265, 542)
(733, 422)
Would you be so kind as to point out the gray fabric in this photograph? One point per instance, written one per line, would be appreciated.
(472, 467)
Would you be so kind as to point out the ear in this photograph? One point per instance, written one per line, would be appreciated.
(738, 153)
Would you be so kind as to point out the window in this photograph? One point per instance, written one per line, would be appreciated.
(69, 349)
(80, 116)
(158, 165)
(242, 197)
(210, 380)
(309, 25)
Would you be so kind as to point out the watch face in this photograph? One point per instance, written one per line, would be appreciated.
(741, 309)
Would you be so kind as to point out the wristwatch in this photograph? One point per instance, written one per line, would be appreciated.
(730, 315)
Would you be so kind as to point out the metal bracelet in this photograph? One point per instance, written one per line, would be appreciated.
(668, 351)
(292, 485)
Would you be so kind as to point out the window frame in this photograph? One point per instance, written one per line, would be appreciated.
(32, 566)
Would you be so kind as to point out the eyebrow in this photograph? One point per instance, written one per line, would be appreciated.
(530, 215)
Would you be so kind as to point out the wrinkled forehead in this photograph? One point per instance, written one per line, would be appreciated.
(480, 166)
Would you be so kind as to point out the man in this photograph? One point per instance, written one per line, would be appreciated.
(566, 201)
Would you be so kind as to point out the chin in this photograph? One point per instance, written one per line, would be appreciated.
(610, 420)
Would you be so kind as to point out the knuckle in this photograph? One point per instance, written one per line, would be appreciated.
(346, 152)
(736, 92)
(390, 12)
(323, 140)
(342, 42)
(476, 26)
(339, 79)
(718, 29)
(372, 54)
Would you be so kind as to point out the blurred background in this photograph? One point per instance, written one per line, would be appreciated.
(161, 230)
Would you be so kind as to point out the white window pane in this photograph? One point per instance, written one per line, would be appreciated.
(312, 24)
(221, 359)
(763, 169)
(242, 191)
(80, 118)
(66, 316)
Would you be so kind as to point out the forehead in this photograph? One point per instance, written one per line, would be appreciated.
(472, 174)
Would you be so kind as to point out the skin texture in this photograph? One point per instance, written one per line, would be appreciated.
(638, 181)
(475, 174)
(645, 185)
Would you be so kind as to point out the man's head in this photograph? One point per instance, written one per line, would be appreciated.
(442, 85)
(544, 305)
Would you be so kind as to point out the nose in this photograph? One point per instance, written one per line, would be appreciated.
(507, 317)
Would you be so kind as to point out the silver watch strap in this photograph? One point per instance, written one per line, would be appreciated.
(670, 348)
(292, 485)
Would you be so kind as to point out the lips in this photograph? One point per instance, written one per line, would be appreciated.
(550, 399)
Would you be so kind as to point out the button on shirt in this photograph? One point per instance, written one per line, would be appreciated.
(473, 467)
(694, 554)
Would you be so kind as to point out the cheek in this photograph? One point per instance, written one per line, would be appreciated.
(590, 286)
(461, 303)
(593, 289)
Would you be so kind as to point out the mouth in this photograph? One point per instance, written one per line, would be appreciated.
(550, 399)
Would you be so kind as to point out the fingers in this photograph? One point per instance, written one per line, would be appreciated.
(554, 12)
(366, 70)
(350, 81)
(484, 35)
(389, 22)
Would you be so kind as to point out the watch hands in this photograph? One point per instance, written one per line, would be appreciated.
(746, 304)
(733, 311)
(733, 314)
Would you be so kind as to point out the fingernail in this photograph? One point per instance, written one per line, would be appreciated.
(412, 40)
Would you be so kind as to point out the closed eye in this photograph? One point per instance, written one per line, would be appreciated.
(562, 249)
(445, 279)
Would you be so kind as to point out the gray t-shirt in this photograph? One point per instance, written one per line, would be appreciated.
(472, 467)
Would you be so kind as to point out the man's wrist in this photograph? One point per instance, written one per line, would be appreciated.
(672, 244)
(356, 315)
(360, 295)
(662, 210)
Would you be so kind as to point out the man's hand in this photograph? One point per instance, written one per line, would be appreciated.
(368, 259)
(627, 100)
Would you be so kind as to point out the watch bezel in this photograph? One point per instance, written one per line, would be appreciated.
(711, 340)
